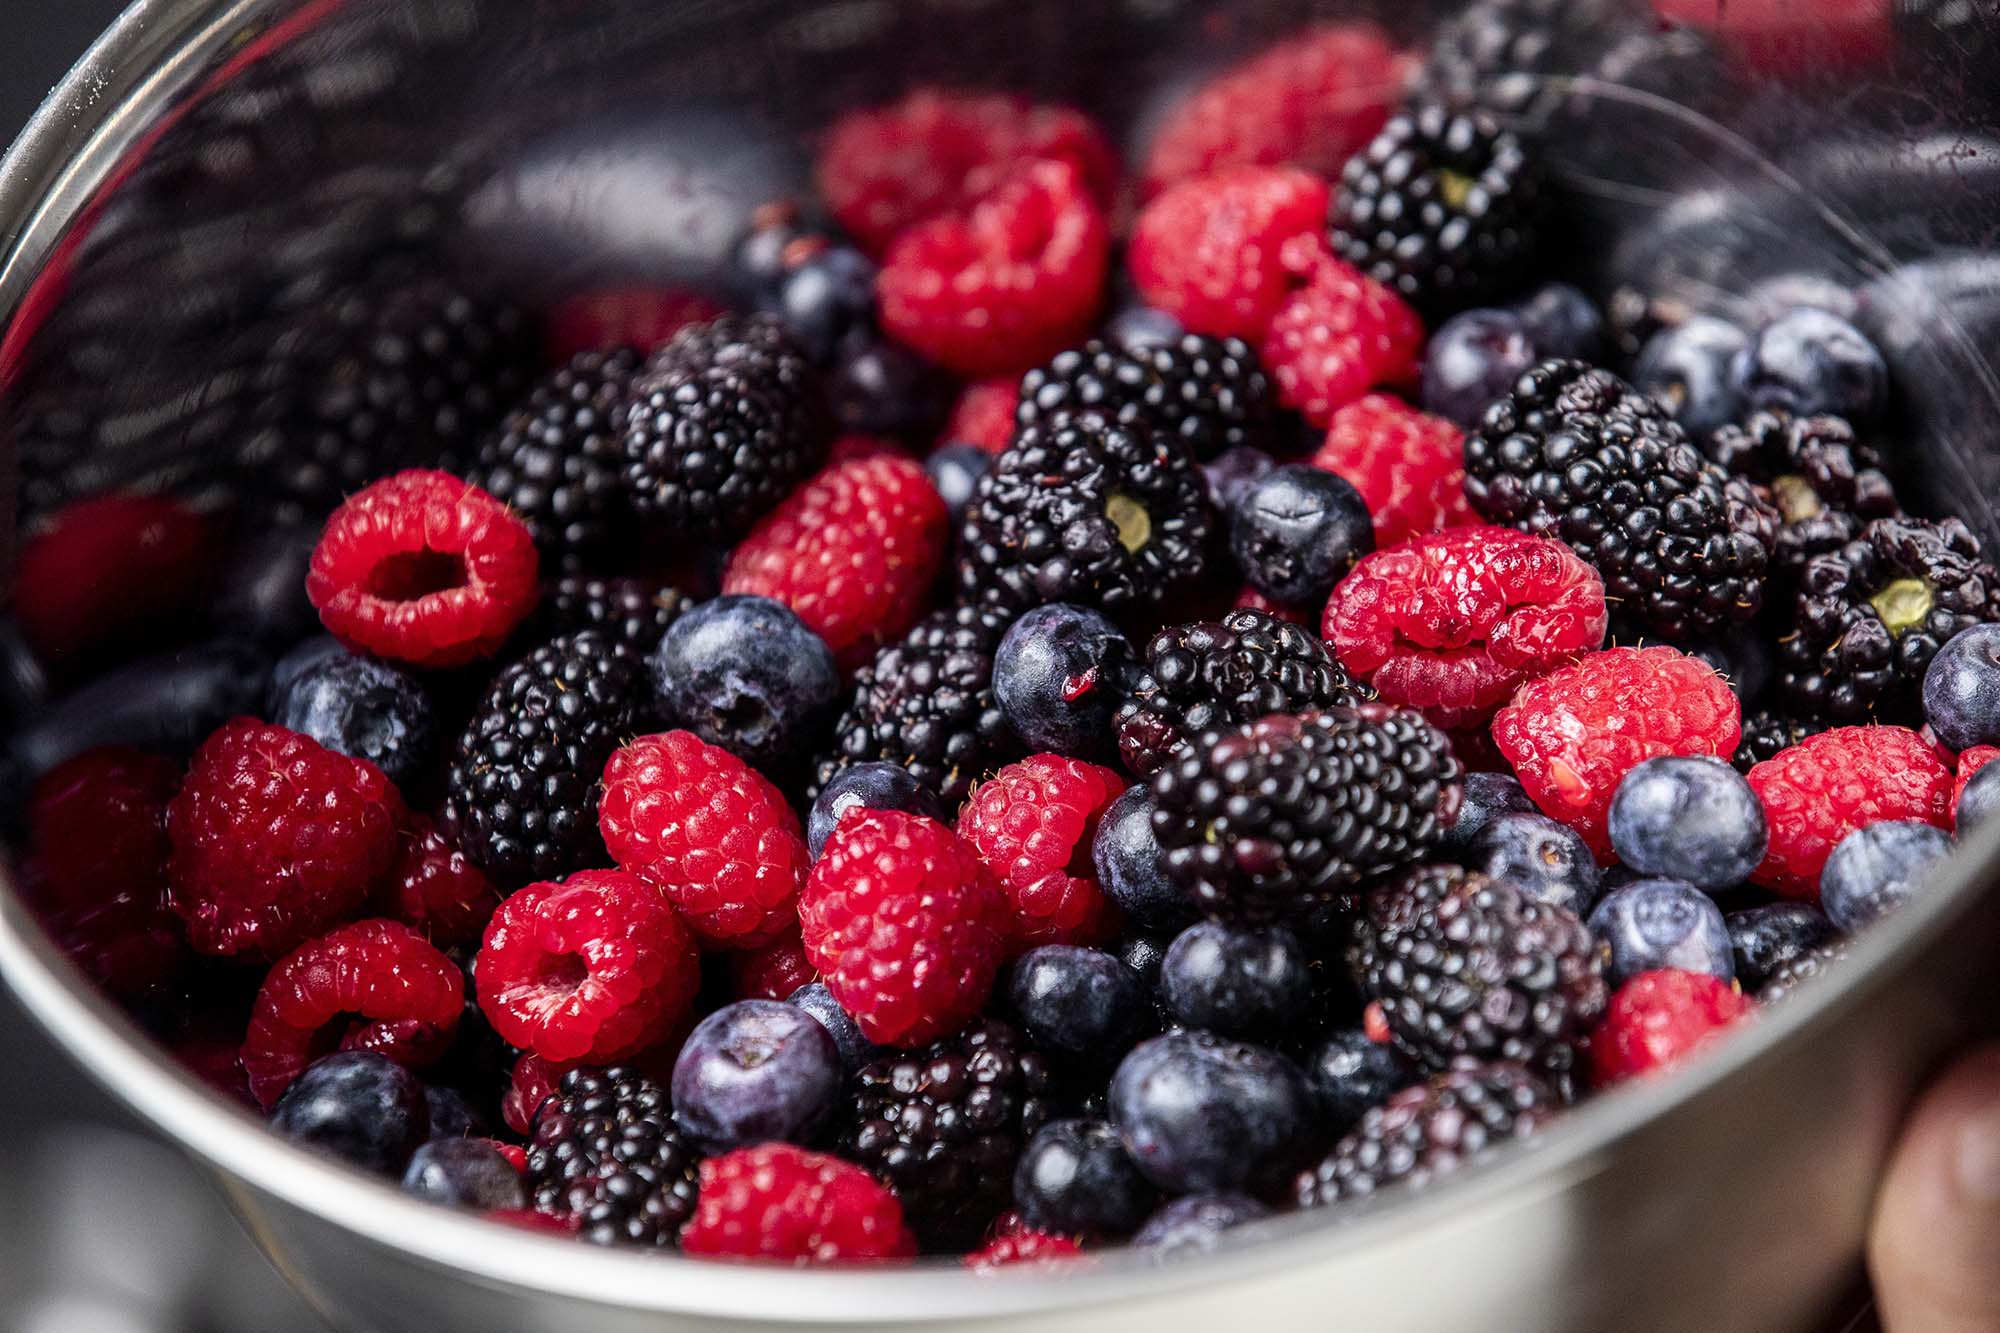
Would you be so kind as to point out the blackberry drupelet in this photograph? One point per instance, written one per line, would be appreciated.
(1789, 975)
(605, 1153)
(1211, 394)
(1823, 482)
(944, 1126)
(522, 788)
(1766, 731)
(635, 612)
(1578, 454)
(1210, 674)
(1270, 821)
(1466, 965)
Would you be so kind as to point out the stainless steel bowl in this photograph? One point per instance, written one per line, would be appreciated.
(210, 159)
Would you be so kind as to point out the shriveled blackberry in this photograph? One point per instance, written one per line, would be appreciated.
(521, 793)
(1429, 1130)
(1443, 208)
(724, 420)
(1211, 394)
(1466, 965)
(1765, 732)
(944, 1125)
(1578, 454)
(606, 1153)
(1081, 510)
(1823, 482)
(1276, 819)
(1209, 674)
(636, 612)
(1789, 975)
(927, 703)
(1871, 616)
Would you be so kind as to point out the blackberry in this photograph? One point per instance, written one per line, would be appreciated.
(1871, 616)
(605, 1153)
(724, 420)
(1466, 965)
(1789, 975)
(522, 788)
(1823, 482)
(1081, 510)
(1443, 208)
(1211, 394)
(1766, 732)
(1269, 821)
(927, 703)
(635, 612)
(1578, 454)
(945, 1125)
(1430, 1130)
(1210, 674)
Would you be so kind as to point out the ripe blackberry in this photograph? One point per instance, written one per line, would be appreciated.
(1271, 820)
(927, 703)
(724, 420)
(635, 612)
(1765, 732)
(1789, 975)
(1211, 394)
(1443, 208)
(521, 793)
(1462, 964)
(1209, 674)
(1823, 482)
(1578, 454)
(606, 1154)
(1077, 509)
(1871, 615)
(944, 1125)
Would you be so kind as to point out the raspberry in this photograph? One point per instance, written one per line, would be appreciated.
(889, 168)
(1969, 762)
(1207, 251)
(1338, 334)
(275, 839)
(637, 317)
(1657, 1019)
(779, 1202)
(596, 967)
(529, 1084)
(1572, 734)
(1033, 824)
(1005, 285)
(1828, 785)
(983, 415)
(371, 986)
(423, 568)
(1454, 622)
(1409, 466)
(771, 971)
(435, 889)
(1015, 1242)
(109, 567)
(1309, 101)
(710, 831)
(854, 552)
(906, 925)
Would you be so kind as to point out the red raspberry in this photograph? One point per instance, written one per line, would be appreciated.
(434, 889)
(779, 1202)
(984, 414)
(860, 449)
(371, 986)
(595, 968)
(771, 971)
(641, 317)
(1032, 823)
(1409, 466)
(711, 831)
(854, 551)
(275, 839)
(423, 568)
(1208, 251)
(1822, 789)
(889, 168)
(1338, 334)
(110, 568)
(905, 924)
(1657, 1019)
(1455, 621)
(531, 1082)
(1015, 1242)
(1574, 733)
(1969, 762)
(516, 1155)
(1302, 616)
(1005, 285)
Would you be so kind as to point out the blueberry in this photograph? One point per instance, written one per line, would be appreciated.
(464, 1173)
(1876, 869)
(763, 257)
(1234, 471)
(1056, 675)
(955, 470)
(1238, 981)
(878, 387)
(1074, 1178)
(755, 1071)
(1687, 367)
(875, 785)
(1781, 293)
(1562, 321)
(1692, 818)
(1474, 358)
(1481, 797)
(1980, 798)
(358, 1106)
(451, 1116)
(1654, 923)
(1962, 689)
(825, 298)
(1138, 327)
(262, 594)
(1131, 866)
(1198, 1112)
(746, 674)
(1349, 1073)
(356, 706)
(1763, 939)
(1077, 1001)
(1143, 954)
(1297, 530)
(1546, 858)
(1193, 1224)
(1809, 362)
(849, 1041)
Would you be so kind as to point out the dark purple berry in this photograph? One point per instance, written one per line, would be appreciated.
(1962, 689)
(464, 1173)
(1193, 1224)
(1691, 818)
(1074, 1178)
(746, 674)
(1687, 367)
(874, 785)
(358, 1106)
(1654, 923)
(1548, 859)
(1198, 1112)
(1876, 869)
(1078, 1002)
(1472, 360)
(756, 1071)
(1811, 362)
(1059, 675)
(1296, 531)
(1236, 981)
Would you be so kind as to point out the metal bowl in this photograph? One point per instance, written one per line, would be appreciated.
(209, 161)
